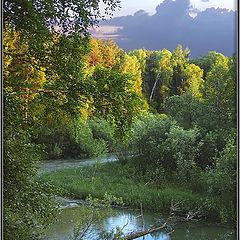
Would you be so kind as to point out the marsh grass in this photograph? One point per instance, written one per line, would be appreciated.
(121, 181)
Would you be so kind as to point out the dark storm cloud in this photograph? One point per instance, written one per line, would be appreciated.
(212, 29)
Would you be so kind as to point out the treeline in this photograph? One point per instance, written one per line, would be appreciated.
(99, 86)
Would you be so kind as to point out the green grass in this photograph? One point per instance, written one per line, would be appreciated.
(121, 181)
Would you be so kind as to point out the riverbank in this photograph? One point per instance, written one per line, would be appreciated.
(121, 181)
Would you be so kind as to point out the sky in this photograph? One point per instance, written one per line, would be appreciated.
(129, 7)
(201, 25)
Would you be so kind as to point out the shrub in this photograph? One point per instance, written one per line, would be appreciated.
(184, 147)
(103, 130)
(83, 141)
(29, 206)
(221, 181)
(163, 145)
(149, 136)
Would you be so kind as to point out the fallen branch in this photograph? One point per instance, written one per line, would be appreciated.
(190, 216)
(143, 233)
(138, 234)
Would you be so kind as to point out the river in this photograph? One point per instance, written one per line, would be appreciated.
(53, 165)
(64, 227)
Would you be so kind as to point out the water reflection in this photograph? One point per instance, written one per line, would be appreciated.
(64, 228)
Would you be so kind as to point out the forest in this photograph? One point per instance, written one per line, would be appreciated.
(170, 119)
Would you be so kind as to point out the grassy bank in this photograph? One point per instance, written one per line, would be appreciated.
(122, 182)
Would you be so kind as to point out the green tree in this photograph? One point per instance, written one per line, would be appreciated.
(206, 62)
(157, 76)
(221, 181)
(168, 74)
(29, 204)
(130, 64)
(148, 136)
(38, 19)
(180, 59)
(219, 91)
(115, 98)
(184, 147)
(186, 109)
(43, 46)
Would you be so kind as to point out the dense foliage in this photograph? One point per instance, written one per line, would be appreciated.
(69, 95)
(44, 90)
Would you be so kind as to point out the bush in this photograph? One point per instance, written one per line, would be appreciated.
(221, 181)
(29, 206)
(148, 139)
(184, 147)
(83, 143)
(103, 130)
(75, 138)
(211, 144)
(185, 109)
(162, 145)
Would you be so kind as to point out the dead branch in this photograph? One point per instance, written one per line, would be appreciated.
(143, 233)
(190, 216)
(138, 234)
(193, 215)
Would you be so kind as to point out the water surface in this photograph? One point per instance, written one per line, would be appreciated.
(54, 165)
(63, 229)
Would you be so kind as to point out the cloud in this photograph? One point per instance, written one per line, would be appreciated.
(173, 24)
(105, 32)
(205, 1)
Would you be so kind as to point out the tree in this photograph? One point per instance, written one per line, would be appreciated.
(192, 80)
(164, 74)
(40, 18)
(180, 59)
(103, 53)
(206, 62)
(115, 98)
(44, 42)
(168, 74)
(158, 75)
(130, 64)
(221, 181)
(29, 204)
(219, 91)
(184, 147)
(148, 137)
(141, 55)
(186, 109)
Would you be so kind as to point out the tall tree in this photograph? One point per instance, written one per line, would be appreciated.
(43, 46)
(141, 55)
(219, 92)
(130, 64)
(168, 74)
(205, 62)
(180, 60)
(115, 98)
